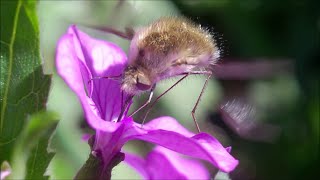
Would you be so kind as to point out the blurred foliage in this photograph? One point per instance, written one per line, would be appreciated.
(24, 87)
(269, 29)
(30, 156)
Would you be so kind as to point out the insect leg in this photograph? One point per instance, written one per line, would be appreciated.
(156, 100)
(122, 95)
(146, 103)
(209, 73)
(124, 107)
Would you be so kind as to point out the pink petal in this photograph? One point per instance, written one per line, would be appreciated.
(101, 58)
(72, 67)
(201, 146)
(162, 163)
(138, 163)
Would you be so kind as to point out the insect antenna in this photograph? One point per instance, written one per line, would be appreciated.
(127, 34)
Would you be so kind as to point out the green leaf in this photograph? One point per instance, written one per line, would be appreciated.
(23, 87)
(31, 156)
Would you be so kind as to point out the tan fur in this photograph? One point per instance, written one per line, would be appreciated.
(168, 47)
(171, 34)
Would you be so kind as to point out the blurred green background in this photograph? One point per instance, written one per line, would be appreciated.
(247, 31)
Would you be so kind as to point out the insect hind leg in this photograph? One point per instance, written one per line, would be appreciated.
(146, 103)
(209, 74)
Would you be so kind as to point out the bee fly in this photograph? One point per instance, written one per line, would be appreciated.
(168, 47)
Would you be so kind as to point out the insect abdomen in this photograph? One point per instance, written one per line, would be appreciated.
(180, 39)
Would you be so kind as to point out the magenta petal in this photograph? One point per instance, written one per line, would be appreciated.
(138, 163)
(101, 58)
(162, 163)
(74, 70)
(174, 165)
(201, 146)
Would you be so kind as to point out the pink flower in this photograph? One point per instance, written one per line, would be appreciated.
(79, 58)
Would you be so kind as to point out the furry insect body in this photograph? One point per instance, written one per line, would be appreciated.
(168, 47)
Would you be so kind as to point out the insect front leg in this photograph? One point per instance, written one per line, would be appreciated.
(156, 100)
(124, 107)
(146, 103)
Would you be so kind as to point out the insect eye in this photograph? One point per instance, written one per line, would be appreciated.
(141, 53)
(131, 68)
(143, 83)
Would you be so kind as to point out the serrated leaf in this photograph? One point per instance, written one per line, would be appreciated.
(31, 156)
(23, 87)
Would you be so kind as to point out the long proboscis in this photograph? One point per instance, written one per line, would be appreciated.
(115, 78)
